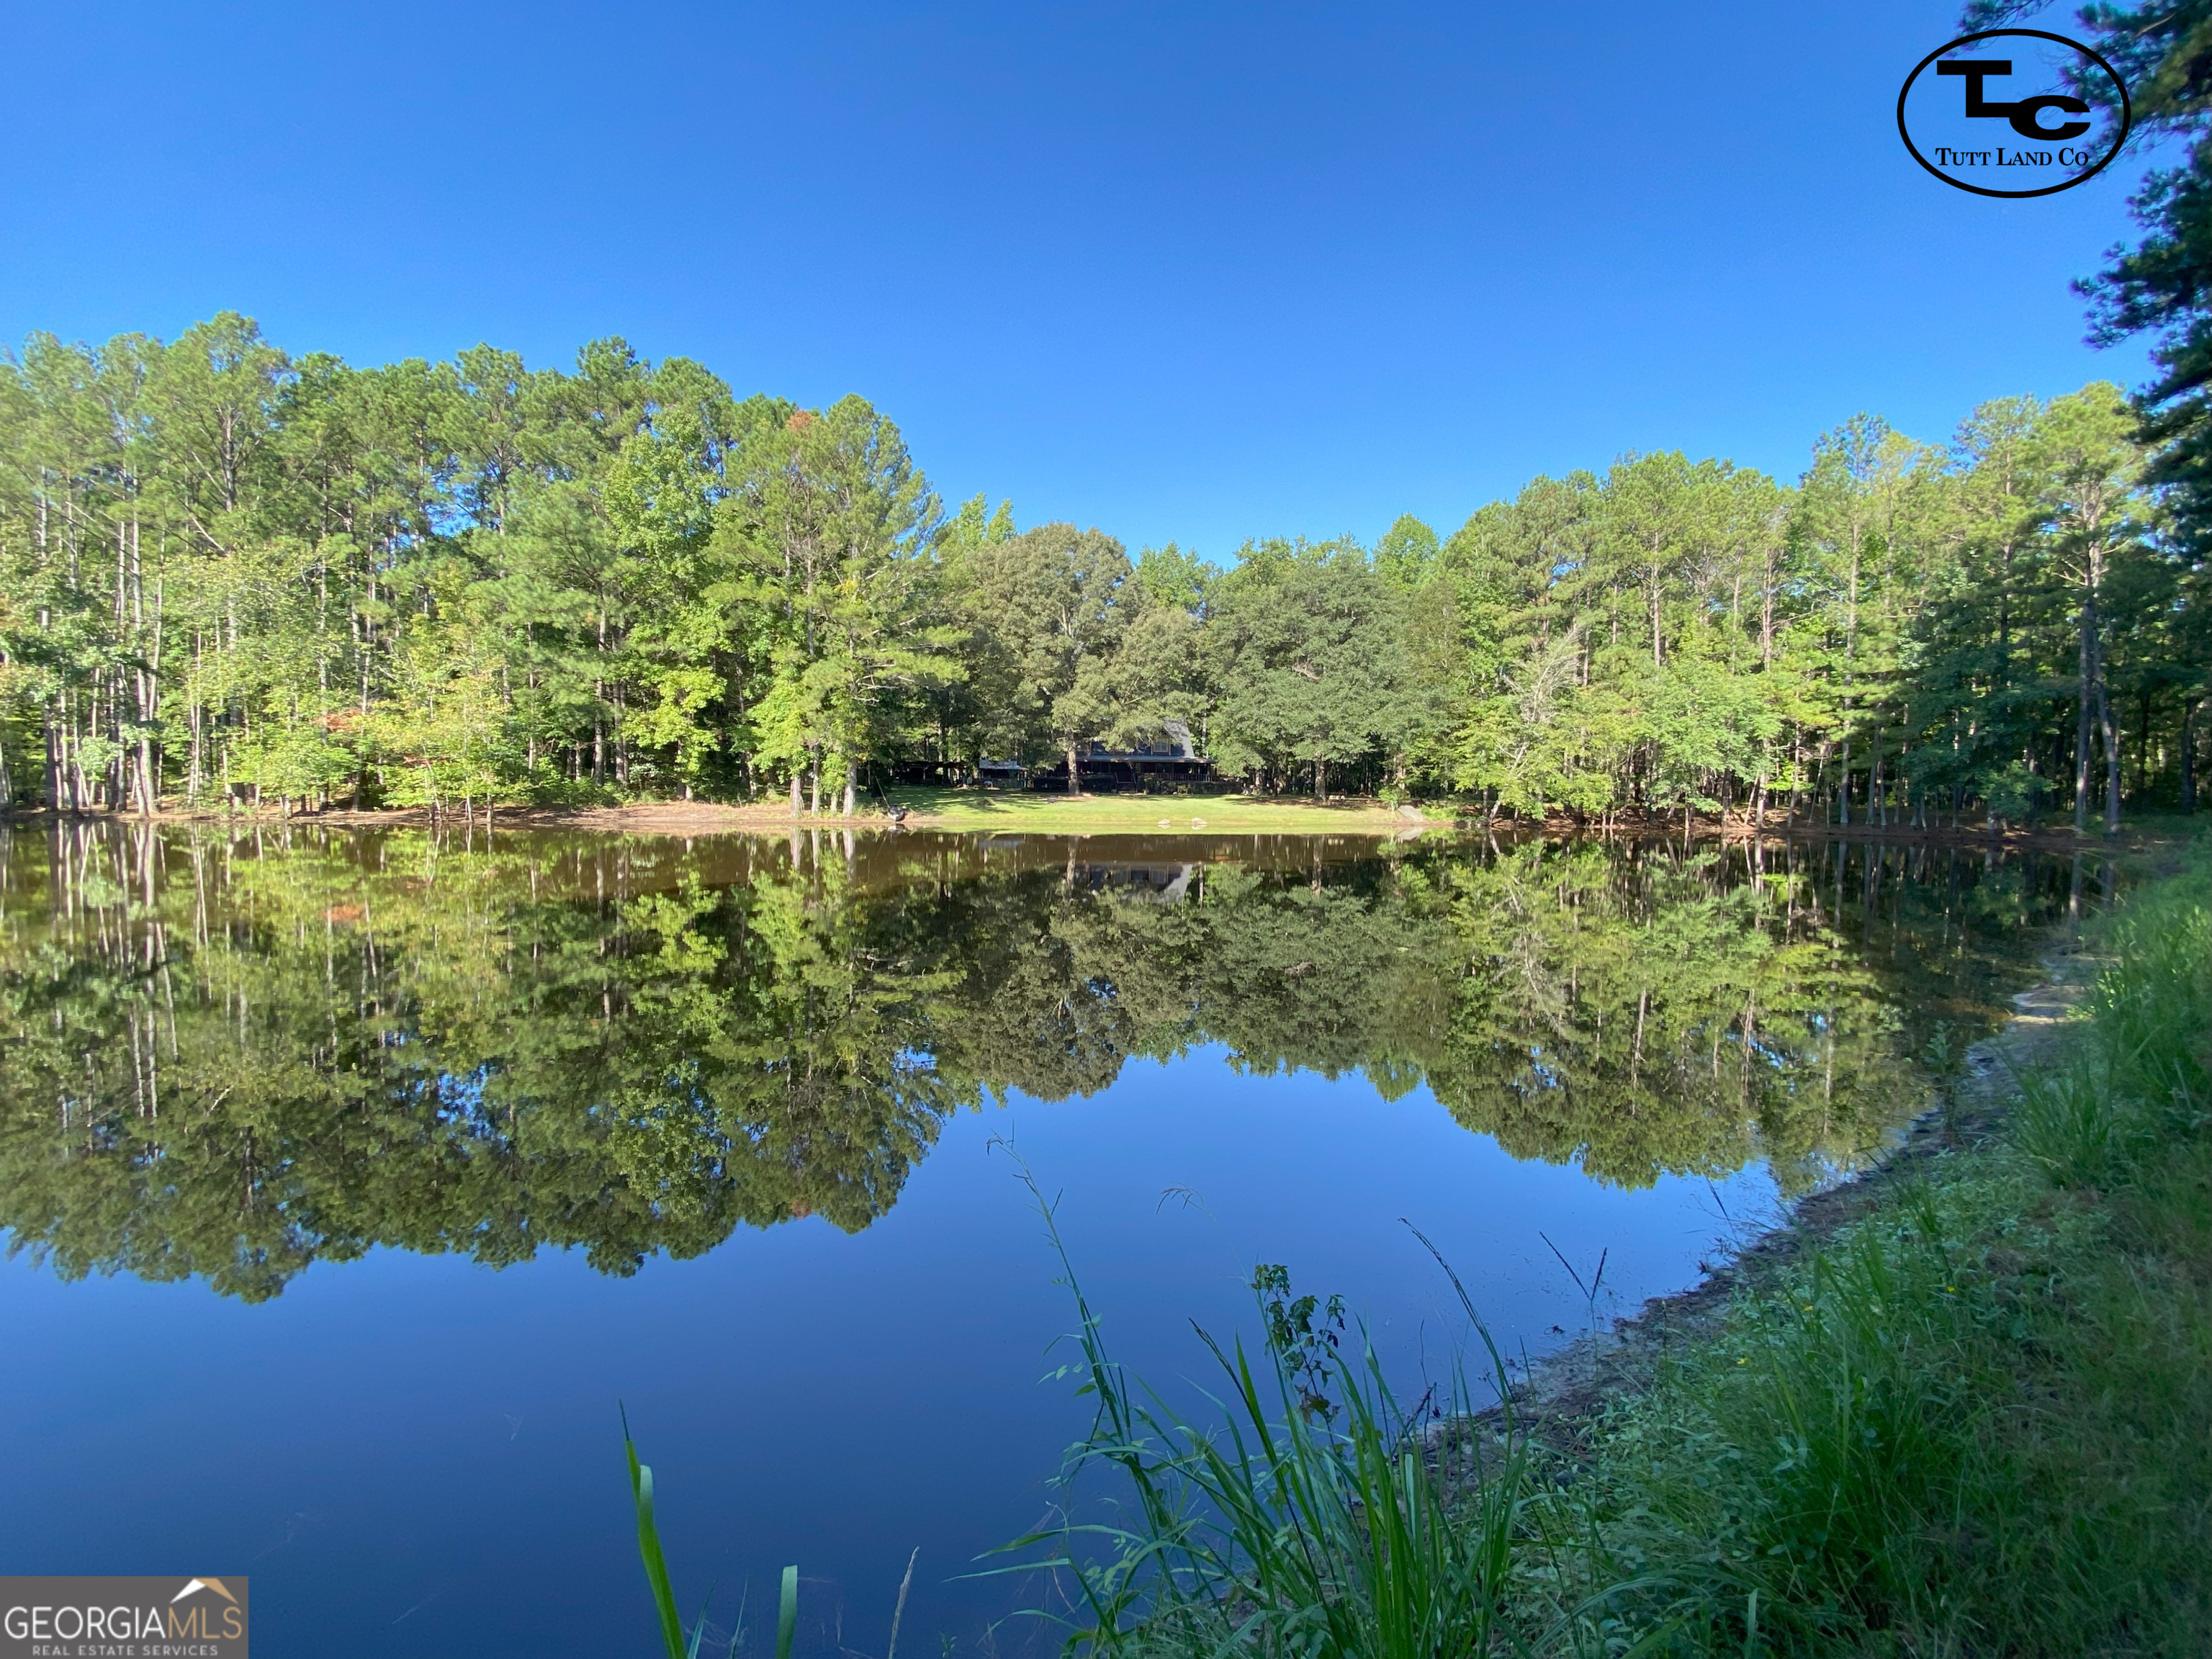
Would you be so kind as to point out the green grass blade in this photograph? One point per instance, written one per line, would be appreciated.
(786, 1613)
(699, 1629)
(738, 1631)
(648, 1549)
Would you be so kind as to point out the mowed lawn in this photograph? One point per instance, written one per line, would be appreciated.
(1045, 813)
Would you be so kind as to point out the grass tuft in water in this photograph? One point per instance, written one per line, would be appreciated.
(673, 1642)
(1320, 1519)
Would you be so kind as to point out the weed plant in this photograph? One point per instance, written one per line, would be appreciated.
(674, 1644)
(1319, 1518)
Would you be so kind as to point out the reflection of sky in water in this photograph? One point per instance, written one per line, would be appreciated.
(417, 1455)
(413, 1454)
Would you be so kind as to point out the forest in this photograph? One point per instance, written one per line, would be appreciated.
(230, 576)
(229, 1055)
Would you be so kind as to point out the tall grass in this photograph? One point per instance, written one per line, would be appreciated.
(1316, 1516)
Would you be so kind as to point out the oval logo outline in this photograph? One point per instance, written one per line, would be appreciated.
(2083, 177)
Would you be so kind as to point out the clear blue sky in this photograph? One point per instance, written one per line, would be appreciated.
(1191, 271)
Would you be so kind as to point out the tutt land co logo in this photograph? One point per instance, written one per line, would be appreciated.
(1964, 124)
(123, 1619)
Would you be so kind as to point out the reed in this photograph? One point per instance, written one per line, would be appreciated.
(673, 1642)
(1313, 1515)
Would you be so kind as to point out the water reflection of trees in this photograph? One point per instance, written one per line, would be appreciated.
(232, 1057)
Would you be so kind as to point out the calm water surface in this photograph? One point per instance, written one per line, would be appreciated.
(350, 1181)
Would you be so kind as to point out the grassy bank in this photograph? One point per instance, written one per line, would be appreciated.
(1973, 1421)
(1018, 811)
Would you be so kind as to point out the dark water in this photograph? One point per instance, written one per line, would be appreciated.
(731, 1122)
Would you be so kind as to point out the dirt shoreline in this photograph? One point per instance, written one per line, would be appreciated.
(645, 818)
(1558, 1394)
(684, 818)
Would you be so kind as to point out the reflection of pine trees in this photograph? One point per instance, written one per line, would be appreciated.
(1646, 1017)
(231, 1058)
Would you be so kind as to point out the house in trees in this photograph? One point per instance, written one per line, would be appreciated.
(1170, 758)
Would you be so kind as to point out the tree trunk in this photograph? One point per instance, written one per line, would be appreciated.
(852, 782)
(2085, 699)
(53, 761)
(2112, 732)
(2188, 758)
(1877, 808)
(2142, 752)
(1074, 775)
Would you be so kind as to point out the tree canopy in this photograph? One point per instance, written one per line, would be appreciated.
(228, 574)
(2162, 286)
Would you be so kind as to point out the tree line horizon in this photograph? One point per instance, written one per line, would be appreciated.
(228, 573)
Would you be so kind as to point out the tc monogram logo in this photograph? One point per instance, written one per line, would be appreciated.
(1946, 118)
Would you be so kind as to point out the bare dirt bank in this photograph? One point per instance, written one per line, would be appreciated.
(668, 817)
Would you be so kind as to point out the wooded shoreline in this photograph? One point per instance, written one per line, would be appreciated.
(228, 572)
(1111, 815)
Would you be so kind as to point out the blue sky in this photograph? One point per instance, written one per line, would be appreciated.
(1192, 272)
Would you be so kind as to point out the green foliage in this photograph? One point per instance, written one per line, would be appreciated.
(229, 576)
(1175, 579)
(1304, 645)
(1047, 610)
(1280, 1531)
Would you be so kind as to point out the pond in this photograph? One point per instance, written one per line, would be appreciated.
(351, 1179)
